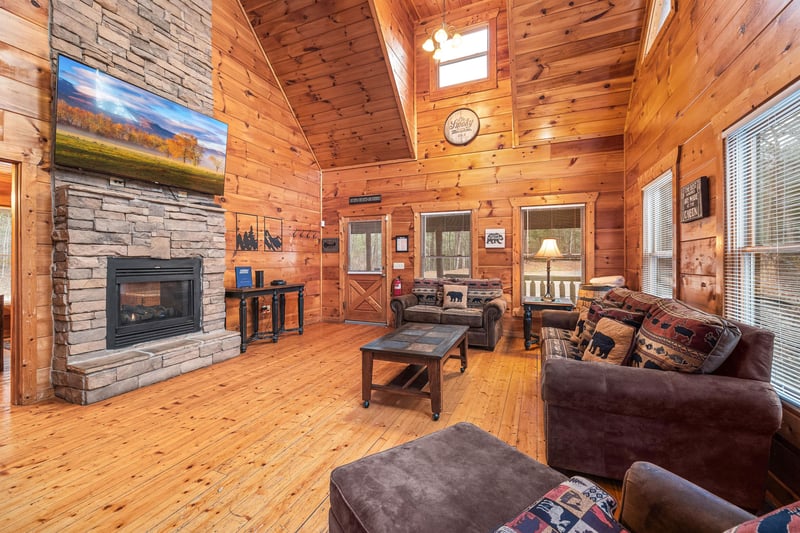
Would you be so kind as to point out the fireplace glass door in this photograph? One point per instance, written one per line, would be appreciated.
(151, 299)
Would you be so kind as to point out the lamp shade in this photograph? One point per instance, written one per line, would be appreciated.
(549, 249)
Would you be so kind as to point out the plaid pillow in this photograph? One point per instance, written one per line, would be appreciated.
(575, 506)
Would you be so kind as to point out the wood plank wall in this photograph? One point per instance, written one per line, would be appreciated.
(270, 170)
(25, 102)
(488, 172)
(715, 62)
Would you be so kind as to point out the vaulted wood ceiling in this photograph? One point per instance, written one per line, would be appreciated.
(346, 67)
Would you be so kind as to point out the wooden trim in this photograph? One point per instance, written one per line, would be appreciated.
(589, 200)
(24, 288)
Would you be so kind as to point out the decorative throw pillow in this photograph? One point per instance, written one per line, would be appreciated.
(455, 297)
(578, 332)
(593, 316)
(780, 520)
(632, 318)
(428, 291)
(617, 294)
(611, 342)
(675, 336)
(576, 505)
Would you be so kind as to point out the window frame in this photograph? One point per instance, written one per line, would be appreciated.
(490, 82)
(744, 245)
(655, 27)
(420, 240)
(589, 201)
(651, 229)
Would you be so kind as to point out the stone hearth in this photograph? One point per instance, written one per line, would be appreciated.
(94, 223)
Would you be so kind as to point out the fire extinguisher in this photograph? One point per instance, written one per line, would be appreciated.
(397, 287)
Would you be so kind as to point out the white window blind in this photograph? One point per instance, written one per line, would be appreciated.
(657, 236)
(762, 233)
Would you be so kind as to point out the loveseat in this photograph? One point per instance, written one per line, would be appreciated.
(691, 393)
(477, 303)
(464, 479)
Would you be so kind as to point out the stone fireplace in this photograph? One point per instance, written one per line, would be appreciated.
(166, 259)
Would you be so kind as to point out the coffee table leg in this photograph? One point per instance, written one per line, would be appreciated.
(366, 376)
(435, 380)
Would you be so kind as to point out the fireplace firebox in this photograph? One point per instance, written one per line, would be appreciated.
(150, 299)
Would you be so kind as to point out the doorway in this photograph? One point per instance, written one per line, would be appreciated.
(365, 284)
(7, 171)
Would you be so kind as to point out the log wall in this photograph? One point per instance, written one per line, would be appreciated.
(714, 63)
(270, 170)
(24, 131)
(488, 173)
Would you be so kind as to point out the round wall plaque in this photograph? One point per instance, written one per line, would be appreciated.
(461, 126)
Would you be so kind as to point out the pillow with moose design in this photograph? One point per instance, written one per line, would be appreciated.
(611, 342)
(455, 297)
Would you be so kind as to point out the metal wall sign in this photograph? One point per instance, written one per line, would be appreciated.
(369, 199)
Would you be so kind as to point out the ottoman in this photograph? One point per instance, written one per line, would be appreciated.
(460, 478)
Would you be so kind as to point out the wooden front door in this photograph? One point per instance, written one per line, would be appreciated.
(365, 284)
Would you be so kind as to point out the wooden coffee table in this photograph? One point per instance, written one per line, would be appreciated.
(424, 348)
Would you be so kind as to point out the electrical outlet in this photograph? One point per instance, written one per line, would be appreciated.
(116, 182)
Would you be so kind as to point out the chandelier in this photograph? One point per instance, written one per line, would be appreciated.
(443, 38)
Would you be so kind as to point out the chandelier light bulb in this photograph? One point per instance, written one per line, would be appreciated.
(456, 40)
(428, 45)
(437, 54)
(440, 36)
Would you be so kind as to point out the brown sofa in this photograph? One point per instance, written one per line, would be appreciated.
(483, 312)
(713, 428)
(463, 479)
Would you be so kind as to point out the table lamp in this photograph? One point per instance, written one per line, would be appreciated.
(549, 250)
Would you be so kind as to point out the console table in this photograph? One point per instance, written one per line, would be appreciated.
(278, 293)
(532, 304)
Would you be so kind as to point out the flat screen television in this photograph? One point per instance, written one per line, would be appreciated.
(109, 126)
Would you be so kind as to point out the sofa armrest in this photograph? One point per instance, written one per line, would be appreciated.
(553, 318)
(654, 499)
(399, 304)
(494, 310)
(698, 399)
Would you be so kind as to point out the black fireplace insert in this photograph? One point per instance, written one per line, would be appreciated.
(149, 299)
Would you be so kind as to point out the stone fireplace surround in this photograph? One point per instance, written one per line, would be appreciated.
(93, 223)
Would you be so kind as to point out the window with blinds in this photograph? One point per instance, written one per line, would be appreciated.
(762, 232)
(447, 244)
(657, 236)
(564, 223)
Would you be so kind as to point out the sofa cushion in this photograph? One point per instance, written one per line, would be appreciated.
(783, 519)
(462, 317)
(560, 349)
(639, 301)
(555, 333)
(428, 291)
(576, 505)
(626, 316)
(430, 314)
(482, 291)
(675, 336)
(611, 342)
(454, 296)
(580, 324)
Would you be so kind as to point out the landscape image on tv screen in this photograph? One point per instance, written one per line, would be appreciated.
(109, 126)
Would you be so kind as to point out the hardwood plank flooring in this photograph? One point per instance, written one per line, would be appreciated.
(247, 444)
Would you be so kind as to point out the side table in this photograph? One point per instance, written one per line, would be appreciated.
(278, 293)
(532, 304)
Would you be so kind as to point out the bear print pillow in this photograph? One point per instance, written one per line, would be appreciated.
(455, 297)
(611, 342)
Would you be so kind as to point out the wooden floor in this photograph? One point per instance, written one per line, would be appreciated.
(248, 444)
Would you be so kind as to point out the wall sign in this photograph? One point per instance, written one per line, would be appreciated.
(461, 126)
(401, 243)
(330, 245)
(369, 199)
(495, 238)
(694, 200)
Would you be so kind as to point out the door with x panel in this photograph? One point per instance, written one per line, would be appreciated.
(366, 286)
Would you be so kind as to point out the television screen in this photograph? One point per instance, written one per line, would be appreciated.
(109, 126)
